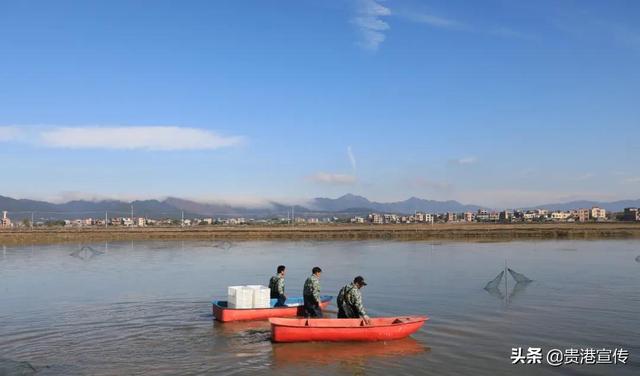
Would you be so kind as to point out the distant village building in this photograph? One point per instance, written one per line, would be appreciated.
(631, 214)
(469, 217)
(357, 220)
(583, 215)
(6, 222)
(506, 216)
(560, 215)
(482, 215)
(376, 219)
(451, 217)
(142, 222)
(598, 214)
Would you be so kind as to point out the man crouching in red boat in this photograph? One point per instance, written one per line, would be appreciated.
(350, 301)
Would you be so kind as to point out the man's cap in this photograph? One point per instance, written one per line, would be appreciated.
(359, 280)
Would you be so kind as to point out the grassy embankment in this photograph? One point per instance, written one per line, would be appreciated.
(465, 232)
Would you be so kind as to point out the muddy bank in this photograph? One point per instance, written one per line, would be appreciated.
(468, 232)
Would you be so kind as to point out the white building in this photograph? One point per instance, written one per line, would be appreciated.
(376, 218)
(6, 222)
(559, 215)
(598, 213)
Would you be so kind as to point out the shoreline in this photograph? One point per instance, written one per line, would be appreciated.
(464, 232)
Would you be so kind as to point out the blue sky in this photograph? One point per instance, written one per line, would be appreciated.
(501, 103)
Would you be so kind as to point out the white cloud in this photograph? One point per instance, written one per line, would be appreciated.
(352, 158)
(135, 137)
(369, 24)
(9, 133)
(431, 20)
(333, 179)
(632, 180)
(463, 161)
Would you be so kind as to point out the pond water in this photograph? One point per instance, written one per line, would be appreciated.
(144, 307)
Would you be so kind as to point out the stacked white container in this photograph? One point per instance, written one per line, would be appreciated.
(239, 297)
(261, 296)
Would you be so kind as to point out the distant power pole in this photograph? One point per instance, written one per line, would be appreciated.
(131, 215)
(106, 219)
(31, 220)
(182, 223)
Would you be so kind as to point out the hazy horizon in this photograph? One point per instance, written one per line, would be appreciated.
(258, 203)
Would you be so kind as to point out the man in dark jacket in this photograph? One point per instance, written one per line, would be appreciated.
(350, 301)
(276, 284)
(311, 294)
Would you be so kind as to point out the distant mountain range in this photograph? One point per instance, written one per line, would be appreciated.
(172, 207)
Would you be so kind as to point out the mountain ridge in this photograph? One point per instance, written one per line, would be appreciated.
(346, 205)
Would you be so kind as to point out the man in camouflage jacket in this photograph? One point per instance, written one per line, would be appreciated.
(350, 301)
(276, 284)
(311, 294)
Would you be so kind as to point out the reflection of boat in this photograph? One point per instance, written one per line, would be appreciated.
(327, 353)
(293, 308)
(380, 329)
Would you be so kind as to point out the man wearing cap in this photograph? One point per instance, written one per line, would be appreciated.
(276, 284)
(311, 294)
(350, 301)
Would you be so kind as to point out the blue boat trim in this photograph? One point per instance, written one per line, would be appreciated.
(294, 301)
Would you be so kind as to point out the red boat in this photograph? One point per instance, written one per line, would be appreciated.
(294, 308)
(380, 329)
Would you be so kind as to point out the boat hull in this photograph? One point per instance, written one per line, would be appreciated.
(224, 314)
(338, 330)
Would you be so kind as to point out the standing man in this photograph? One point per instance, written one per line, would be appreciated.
(276, 284)
(311, 294)
(350, 301)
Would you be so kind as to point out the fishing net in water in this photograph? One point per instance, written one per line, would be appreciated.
(86, 253)
(225, 245)
(494, 283)
(519, 277)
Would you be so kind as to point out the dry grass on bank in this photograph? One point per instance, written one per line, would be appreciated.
(466, 232)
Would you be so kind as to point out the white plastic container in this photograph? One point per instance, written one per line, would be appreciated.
(261, 296)
(240, 297)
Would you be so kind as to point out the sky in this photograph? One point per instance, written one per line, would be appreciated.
(496, 103)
